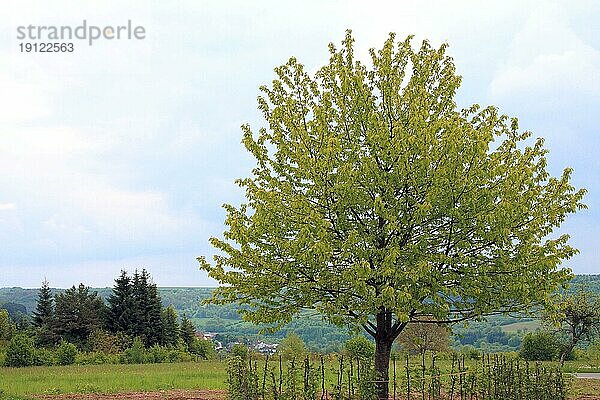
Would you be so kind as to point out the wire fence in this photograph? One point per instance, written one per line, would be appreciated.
(494, 377)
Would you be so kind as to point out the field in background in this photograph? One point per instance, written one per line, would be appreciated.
(527, 326)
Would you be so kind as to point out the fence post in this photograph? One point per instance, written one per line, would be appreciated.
(394, 375)
(322, 378)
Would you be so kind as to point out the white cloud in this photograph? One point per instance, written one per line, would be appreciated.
(7, 206)
(547, 57)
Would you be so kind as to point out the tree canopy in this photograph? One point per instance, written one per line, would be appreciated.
(378, 202)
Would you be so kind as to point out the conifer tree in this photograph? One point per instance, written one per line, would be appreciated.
(154, 328)
(139, 291)
(121, 310)
(78, 313)
(171, 327)
(187, 332)
(44, 310)
(147, 309)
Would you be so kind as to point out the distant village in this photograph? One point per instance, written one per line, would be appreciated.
(258, 346)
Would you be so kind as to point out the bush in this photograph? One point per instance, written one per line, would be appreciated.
(96, 358)
(158, 354)
(66, 353)
(292, 347)
(44, 357)
(470, 352)
(20, 351)
(539, 346)
(135, 354)
(360, 347)
(204, 349)
(239, 350)
(101, 341)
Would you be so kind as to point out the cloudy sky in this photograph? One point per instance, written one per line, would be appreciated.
(120, 154)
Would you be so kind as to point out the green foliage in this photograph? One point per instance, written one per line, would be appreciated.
(7, 328)
(102, 341)
(204, 349)
(292, 347)
(44, 310)
(242, 381)
(187, 332)
(471, 353)
(96, 358)
(376, 201)
(135, 354)
(78, 312)
(44, 357)
(420, 338)
(490, 335)
(171, 328)
(121, 312)
(20, 351)
(148, 309)
(577, 316)
(360, 347)
(539, 346)
(240, 351)
(66, 353)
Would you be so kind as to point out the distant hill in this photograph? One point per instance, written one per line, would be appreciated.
(498, 333)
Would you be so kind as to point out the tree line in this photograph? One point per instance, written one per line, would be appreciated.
(133, 310)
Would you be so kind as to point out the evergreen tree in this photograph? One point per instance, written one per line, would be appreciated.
(148, 309)
(187, 332)
(78, 313)
(154, 328)
(44, 310)
(139, 291)
(171, 327)
(121, 315)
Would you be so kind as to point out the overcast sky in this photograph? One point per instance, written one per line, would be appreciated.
(120, 154)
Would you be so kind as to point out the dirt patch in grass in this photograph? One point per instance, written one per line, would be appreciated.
(161, 395)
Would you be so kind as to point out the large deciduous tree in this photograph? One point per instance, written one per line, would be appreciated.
(378, 202)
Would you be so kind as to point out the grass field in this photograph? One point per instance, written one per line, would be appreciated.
(528, 326)
(19, 383)
(112, 378)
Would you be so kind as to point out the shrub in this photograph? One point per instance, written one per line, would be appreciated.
(203, 348)
(101, 341)
(66, 353)
(135, 354)
(44, 357)
(158, 354)
(539, 346)
(239, 350)
(292, 347)
(471, 352)
(96, 358)
(20, 351)
(360, 347)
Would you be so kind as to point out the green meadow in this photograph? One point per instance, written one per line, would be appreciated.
(24, 382)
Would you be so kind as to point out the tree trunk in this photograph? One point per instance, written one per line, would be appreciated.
(383, 350)
(565, 353)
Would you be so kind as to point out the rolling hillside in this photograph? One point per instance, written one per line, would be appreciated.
(498, 333)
